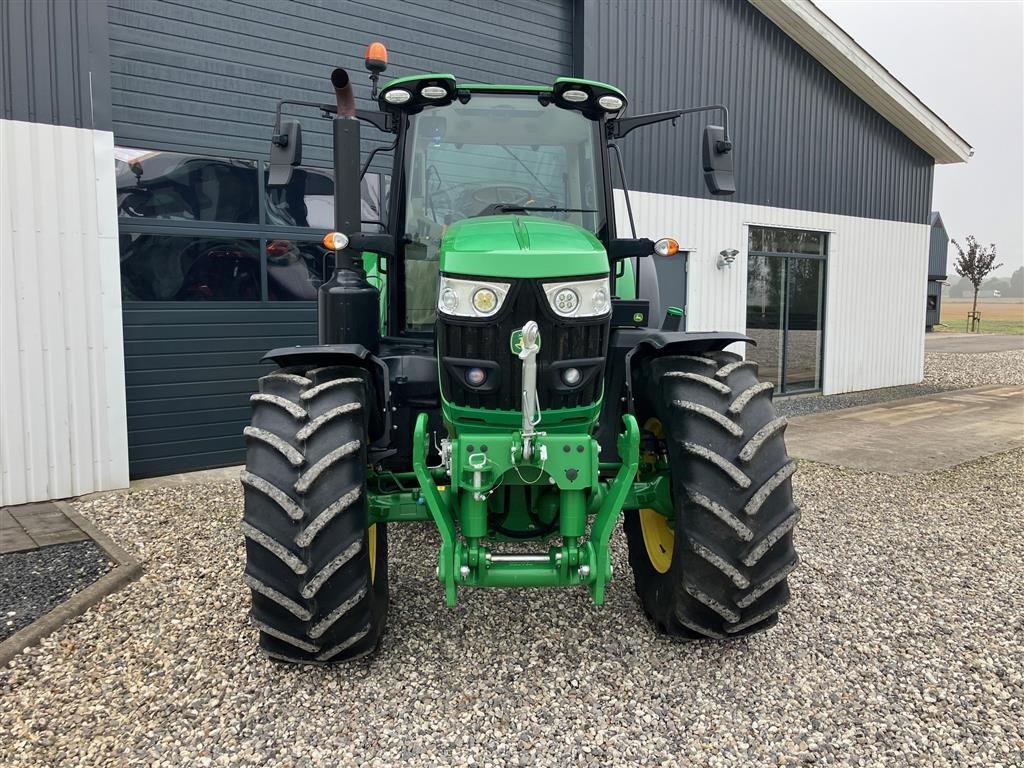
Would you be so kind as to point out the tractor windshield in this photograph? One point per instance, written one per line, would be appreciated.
(496, 153)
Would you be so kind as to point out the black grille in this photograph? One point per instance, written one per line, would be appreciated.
(562, 340)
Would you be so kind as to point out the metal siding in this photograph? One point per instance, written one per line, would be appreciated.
(62, 397)
(54, 64)
(803, 139)
(190, 371)
(875, 280)
(208, 78)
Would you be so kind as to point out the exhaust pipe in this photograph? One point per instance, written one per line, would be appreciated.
(343, 93)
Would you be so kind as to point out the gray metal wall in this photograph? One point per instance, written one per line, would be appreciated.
(54, 66)
(803, 140)
(208, 77)
(938, 249)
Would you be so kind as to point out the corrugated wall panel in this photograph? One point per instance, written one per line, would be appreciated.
(875, 285)
(207, 78)
(190, 369)
(54, 64)
(62, 399)
(803, 139)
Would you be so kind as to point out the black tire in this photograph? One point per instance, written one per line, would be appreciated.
(316, 596)
(732, 548)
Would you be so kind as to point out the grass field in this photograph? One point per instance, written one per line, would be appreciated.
(997, 315)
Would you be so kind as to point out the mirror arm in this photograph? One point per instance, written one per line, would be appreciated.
(382, 121)
(621, 126)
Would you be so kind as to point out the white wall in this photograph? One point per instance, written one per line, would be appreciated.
(63, 428)
(875, 282)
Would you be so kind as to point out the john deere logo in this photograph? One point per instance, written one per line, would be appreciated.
(638, 317)
(516, 342)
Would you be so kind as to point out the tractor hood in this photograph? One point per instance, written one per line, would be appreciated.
(513, 245)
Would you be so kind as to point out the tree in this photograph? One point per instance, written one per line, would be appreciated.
(1017, 282)
(975, 264)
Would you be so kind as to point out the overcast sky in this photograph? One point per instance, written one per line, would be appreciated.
(963, 58)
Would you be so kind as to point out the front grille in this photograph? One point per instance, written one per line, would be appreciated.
(562, 340)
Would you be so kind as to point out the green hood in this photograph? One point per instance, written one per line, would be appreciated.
(520, 246)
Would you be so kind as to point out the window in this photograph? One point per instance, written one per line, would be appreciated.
(785, 305)
(202, 228)
(169, 185)
(161, 267)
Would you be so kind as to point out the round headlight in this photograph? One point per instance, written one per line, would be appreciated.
(475, 377)
(571, 377)
(566, 301)
(397, 96)
(600, 301)
(611, 103)
(485, 301)
(449, 300)
(575, 95)
(433, 92)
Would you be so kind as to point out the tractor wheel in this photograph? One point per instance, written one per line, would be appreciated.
(318, 573)
(718, 568)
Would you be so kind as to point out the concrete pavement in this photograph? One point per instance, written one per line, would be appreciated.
(916, 435)
(971, 343)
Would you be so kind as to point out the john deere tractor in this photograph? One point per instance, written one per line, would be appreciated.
(492, 359)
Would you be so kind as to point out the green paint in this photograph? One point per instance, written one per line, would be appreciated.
(553, 421)
(625, 284)
(398, 82)
(518, 246)
(675, 311)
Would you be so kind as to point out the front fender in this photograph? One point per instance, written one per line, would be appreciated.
(629, 345)
(354, 356)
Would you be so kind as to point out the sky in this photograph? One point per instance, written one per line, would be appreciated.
(964, 60)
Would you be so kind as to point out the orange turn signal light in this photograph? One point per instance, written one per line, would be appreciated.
(376, 57)
(666, 247)
(335, 241)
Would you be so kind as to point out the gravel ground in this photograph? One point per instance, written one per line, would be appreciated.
(942, 372)
(963, 371)
(33, 583)
(897, 650)
(902, 647)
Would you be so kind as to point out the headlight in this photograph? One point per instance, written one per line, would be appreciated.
(470, 298)
(579, 298)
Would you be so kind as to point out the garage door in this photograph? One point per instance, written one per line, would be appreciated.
(215, 268)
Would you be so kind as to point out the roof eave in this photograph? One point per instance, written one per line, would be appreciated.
(840, 54)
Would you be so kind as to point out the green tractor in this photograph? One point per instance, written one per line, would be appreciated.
(493, 360)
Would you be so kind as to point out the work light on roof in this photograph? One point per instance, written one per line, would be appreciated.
(610, 103)
(397, 96)
(575, 95)
(433, 92)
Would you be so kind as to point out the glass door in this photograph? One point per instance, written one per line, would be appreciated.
(785, 306)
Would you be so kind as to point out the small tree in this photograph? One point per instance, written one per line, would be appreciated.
(975, 264)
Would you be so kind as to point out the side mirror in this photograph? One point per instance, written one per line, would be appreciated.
(285, 153)
(718, 161)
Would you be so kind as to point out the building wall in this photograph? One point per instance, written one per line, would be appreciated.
(803, 140)
(876, 278)
(54, 64)
(62, 393)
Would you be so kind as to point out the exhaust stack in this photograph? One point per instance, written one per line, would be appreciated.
(343, 93)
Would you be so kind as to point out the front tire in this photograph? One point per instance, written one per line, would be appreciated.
(718, 568)
(317, 571)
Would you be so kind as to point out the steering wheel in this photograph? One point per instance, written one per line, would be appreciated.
(503, 194)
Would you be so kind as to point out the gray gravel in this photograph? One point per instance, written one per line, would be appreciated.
(902, 647)
(33, 583)
(942, 372)
(963, 371)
